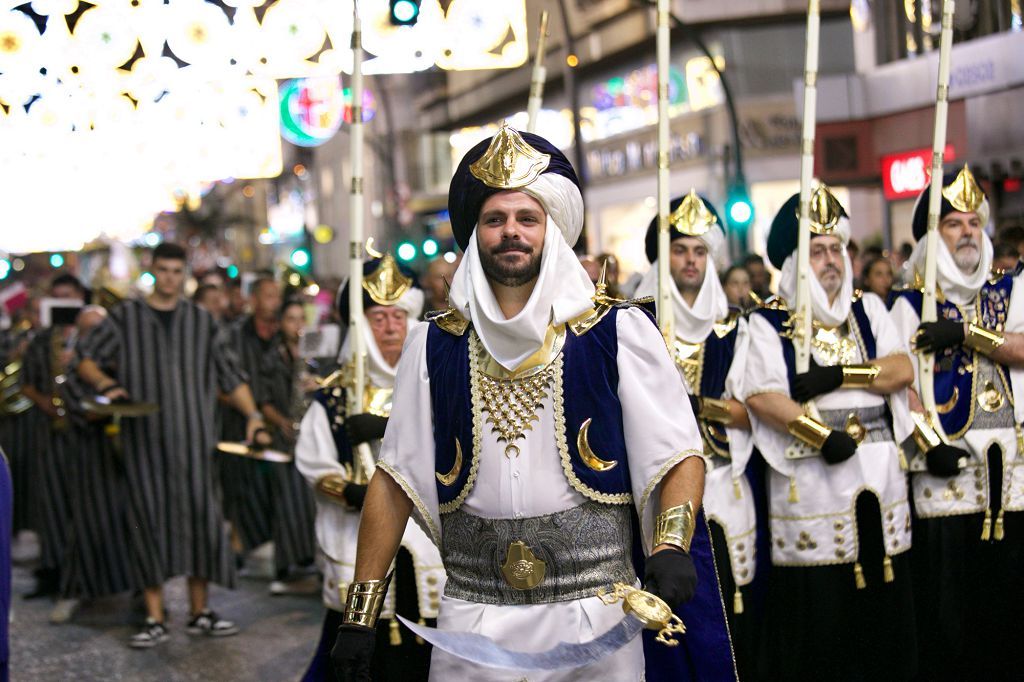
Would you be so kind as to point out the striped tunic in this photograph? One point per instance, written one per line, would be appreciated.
(175, 521)
(56, 449)
(21, 437)
(245, 483)
(292, 509)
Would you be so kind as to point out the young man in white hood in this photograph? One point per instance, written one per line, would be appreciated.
(532, 420)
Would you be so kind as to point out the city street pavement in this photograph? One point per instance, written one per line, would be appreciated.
(277, 639)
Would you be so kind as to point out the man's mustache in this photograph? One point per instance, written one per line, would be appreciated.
(833, 269)
(966, 242)
(506, 247)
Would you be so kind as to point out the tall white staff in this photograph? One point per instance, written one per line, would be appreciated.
(666, 319)
(363, 462)
(926, 361)
(803, 322)
(539, 76)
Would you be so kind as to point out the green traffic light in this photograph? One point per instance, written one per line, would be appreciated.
(300, 258)
(429, 247)
(739, 208)
(406, 252)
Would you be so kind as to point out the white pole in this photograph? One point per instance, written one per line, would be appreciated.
(355, 282)
(665, 311)
(803, 323)
(538, 78)
(926, 366)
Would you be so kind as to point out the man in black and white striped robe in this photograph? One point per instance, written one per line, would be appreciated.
(166, 350)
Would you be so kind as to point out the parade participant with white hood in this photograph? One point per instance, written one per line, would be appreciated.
(532, 421)
(839, 598)
(326, 454)
(709, 350)
(969, 493)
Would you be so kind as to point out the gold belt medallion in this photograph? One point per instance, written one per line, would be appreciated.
(991, 398)
(522, 569)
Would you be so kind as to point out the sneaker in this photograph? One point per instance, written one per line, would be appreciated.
(209, 623)
(151, 634)
(64, 611)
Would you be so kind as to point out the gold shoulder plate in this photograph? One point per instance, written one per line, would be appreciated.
(858, 294)
(450, 320)
(775, 303)
(724, 327)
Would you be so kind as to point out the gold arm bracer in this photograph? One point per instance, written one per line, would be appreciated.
(809, 431)
(860, 376)
(675, 526)
(715, 410)
(364, 602)
(985, 341)
(924, 435)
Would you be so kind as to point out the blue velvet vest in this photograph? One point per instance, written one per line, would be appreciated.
(954, 367)
(589, 384)
(717, 360)
(863, 335)
(333, 402)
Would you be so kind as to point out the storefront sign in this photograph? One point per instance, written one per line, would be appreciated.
(906, 174)
(626, 157)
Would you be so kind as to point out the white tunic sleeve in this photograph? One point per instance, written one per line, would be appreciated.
(658, 425)
(767, 373)
(1015, 324)
(741, 442)
(889, 341)
(407, 451)
(316, 455)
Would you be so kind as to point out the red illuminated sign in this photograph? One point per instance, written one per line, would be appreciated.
(905, 175)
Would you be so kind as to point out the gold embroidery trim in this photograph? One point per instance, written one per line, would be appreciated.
(653, 483)
(474, 455)
(417, 502)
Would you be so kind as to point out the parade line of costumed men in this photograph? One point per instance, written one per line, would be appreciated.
(528, 458)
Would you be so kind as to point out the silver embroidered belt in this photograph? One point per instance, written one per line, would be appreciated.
(537, 560)
(871, 421)
(992, 408)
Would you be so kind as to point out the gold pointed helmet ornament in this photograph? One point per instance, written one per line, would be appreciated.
(509, 161)
(963, 193)
(386, 284)
(825, 210)
(692, 217)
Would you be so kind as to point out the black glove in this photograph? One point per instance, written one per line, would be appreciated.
(671, 575)
(365, 427)
(353, 653)
(354, 494)
(944, 460)
(817, 380)
(838, 447)
(695, 405)
(934, 337)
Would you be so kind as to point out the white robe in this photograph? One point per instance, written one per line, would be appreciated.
(820, 529)
(660, 431)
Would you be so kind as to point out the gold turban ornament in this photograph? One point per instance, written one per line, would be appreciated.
(509, 162)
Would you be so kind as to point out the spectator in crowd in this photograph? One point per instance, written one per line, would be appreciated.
(438, 272)
(608, 261)
(760, 280)
(212, 299)
(877, 277)
(592, 267)
(1005, 256)
(736, 282)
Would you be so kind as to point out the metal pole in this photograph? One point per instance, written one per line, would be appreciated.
(929, 313)
(538, 78)
(666, 319)
(803, 321)
(355, 282)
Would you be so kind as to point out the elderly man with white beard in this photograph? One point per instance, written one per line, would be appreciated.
(839, 598)
(536, 431)
(968, 495)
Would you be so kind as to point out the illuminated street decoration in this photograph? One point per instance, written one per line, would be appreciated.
(312, 110)
(128, 103)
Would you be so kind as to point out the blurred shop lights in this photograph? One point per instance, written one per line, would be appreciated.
(5, 268)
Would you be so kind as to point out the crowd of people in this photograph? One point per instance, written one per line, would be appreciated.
(536, 440)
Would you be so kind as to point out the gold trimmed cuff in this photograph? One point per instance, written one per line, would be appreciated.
(675, 526)
(715, 410)
(985, 341)
(364, 602)
(809, 431)
(859, 376)
(924, 435)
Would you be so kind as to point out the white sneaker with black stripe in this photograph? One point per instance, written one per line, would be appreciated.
(209, 623)
(151, 634)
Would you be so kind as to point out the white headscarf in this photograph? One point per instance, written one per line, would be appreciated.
(379, 371)
(829, 314)
(694, 323)
(954, 284)
(563, 289)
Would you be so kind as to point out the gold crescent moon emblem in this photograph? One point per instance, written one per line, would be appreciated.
(450, 478)
(588, 456)
(947, 407)
(374, 253)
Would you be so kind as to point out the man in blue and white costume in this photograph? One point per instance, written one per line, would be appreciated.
(839, 598)
(531, 426)
(969, 494)
(326, 454)
(710, 350)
